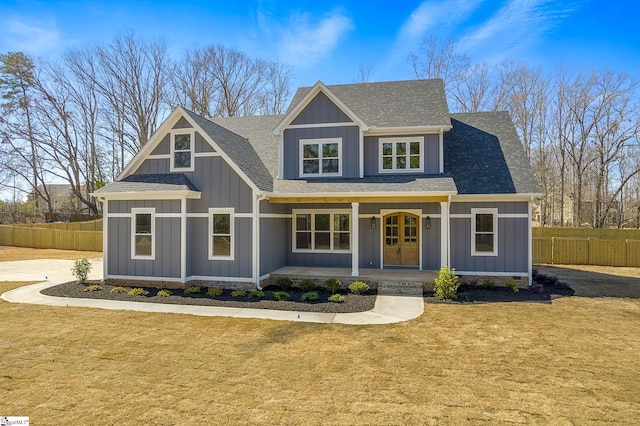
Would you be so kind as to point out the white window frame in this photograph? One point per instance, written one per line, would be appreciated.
(134, 213)
(332, 231)
(320, 142)
(172, 143)
(395, 141)
(475, 212)
(230, 212)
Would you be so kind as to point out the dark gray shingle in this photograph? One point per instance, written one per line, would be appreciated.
(149, 183)
(371, 184)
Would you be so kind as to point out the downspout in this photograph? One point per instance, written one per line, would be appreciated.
(530, 244)
(256, 240)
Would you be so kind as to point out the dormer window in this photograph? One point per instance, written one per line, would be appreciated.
(321, 157)
(401, 154)
(182, 150)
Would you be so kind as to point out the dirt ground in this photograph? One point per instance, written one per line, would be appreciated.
(597, 281)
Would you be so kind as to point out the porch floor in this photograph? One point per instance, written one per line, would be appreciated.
(368, 274)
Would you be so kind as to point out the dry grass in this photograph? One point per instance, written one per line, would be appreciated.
(8, 253)
(571, 362)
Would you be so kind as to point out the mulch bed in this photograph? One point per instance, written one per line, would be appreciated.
(352, 302)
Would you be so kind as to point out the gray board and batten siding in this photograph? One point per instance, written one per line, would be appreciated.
(321, 110)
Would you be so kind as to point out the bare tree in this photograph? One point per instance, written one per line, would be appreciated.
(436, 58)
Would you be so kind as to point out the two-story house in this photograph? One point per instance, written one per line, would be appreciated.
(374, 175)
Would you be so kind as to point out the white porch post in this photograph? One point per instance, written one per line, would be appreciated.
(183, 240)
(105, 238)
(355, 239)
(530, 245)
(444, 234)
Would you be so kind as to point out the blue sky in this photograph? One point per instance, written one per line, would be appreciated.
(329, 40)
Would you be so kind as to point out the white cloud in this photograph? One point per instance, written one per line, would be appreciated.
(436, 15)
(305, 39)
(17, 35)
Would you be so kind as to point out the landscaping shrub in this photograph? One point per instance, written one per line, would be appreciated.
(336, 298)
(215, 292)
(358, 287)
(284, 283)
(93, 287)
(488, 284)
(310, 296)
(446, 284)
(510, 285)
(307, 285)
(281, 296)
(256, 295)
(192, 290)
(238, 293)
(81, 269)
(164, 293)
(118, 289)
(333, 285)
(137, 292)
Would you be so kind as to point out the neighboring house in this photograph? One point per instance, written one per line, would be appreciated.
(63, 199)
(374, 175)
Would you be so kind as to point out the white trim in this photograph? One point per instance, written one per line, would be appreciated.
(158, 215)
(149, 195)
(206, 215)
(530, 245)
(500, 216)
(105, 238)
(232, 237)
(431, 215)
(206, 154)
(460, 216)
(441, 151)
(395, 141)
(320, 142)
(146, 210)
(177, 280)
(192, 148)
(383, 194)
(361, 153)
(445, 236)
(159, 157)
(355, 234)
(494, 213)
(275, 216)
(408, 130)
(256, 240)
(463, 198)
(314, 125)
(331, 231)
(118, 215)
(183, 240)
(281, 157)
(230, 279)
(492, 274)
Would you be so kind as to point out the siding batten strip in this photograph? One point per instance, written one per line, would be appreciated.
(183, 240)
(105, 238)
(530, 247)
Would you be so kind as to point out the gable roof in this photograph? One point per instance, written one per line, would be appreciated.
(484, 155)
(163, 185)
(410, 103)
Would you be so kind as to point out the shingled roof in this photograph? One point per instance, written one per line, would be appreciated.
(483, 154)
(392, 104)
(169, 182)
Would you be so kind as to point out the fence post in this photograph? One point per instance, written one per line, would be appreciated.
(553, 248)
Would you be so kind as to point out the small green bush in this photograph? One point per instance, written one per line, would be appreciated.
(215, 292)
(81, 269)
(310, 296)
(358, 287)
(164, 293)
(284, 283)
(307, 285)
(192, 290)
(256, 294)
(238, 293)
(137, 292)
(333, 285)
(511, 286)
(336, 298)
(446, 285)
(93, 287)
(281, 295)
(488, 284)
(118, 289)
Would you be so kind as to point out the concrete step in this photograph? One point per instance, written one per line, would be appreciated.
(400, 287)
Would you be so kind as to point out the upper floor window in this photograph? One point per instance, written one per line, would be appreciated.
(182, 150)
(321, 157)
(484, 232)
(143, 233)
(401, 154)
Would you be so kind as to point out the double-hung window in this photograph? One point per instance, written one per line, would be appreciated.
(143, 226)
(401, 154)
(182, 150)
(221, 234)
(321, 157)
(484, 232)
(321, 231)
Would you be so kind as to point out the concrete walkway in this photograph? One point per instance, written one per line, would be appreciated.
(387, 310)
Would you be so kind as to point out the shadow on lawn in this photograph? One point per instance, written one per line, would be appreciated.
(594, 284)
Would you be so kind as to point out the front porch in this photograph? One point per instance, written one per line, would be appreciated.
(394, 281)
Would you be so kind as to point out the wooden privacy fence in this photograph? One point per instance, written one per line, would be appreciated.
(83, 236)
(576, 246)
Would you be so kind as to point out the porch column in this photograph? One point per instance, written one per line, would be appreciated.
(444, 234)
(183, 240)
(105, 238)
(355, 239)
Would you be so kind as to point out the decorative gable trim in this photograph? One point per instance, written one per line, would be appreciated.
(167, 127)
(306, 100)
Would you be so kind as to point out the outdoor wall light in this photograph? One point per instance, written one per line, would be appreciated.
(373, 222)
(427, 222)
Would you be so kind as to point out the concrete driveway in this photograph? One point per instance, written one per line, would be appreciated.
(597, 281)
